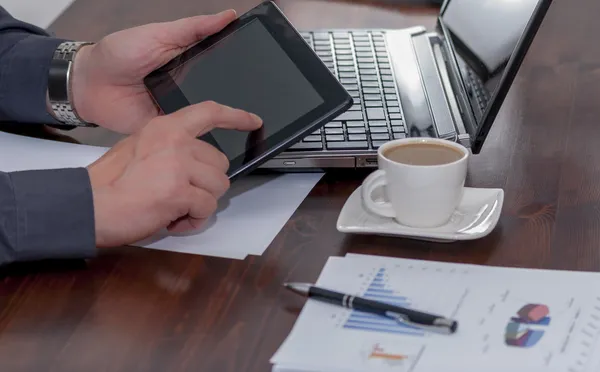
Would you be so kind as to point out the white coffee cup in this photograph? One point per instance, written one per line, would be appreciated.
(423, 188)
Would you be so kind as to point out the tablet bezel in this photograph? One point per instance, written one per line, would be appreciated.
(336, 99)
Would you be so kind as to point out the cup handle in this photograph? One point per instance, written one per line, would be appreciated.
(372, 182)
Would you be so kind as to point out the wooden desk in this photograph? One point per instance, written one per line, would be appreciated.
(143, 310)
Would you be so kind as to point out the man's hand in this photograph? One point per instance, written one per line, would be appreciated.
(163, 176)
(108, 86)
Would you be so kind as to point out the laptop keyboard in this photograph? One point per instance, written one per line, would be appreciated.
(360, 61)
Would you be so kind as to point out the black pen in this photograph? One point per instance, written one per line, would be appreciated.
(411, 317)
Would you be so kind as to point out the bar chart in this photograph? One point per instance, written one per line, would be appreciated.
(379, 290)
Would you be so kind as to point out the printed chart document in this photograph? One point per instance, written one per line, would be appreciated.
(249, 216)
(509, 320)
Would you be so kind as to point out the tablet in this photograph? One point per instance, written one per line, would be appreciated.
(259, 63)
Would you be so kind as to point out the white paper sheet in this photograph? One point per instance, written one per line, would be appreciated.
(249, 216)
(509, 320)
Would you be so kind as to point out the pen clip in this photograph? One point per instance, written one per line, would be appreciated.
(443, 326)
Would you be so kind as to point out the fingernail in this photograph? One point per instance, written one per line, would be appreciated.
(256, 118)
(229, 11)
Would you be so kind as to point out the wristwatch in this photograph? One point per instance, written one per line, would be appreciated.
(59, 94)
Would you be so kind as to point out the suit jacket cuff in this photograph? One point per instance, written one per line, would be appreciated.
(24, 78)
(54, 214)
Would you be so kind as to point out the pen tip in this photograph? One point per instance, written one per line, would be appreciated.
(454, 326)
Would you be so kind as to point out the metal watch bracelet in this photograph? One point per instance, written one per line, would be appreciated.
(59, 93)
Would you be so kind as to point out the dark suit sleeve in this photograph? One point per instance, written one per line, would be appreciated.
(25, 55)
(44, 214)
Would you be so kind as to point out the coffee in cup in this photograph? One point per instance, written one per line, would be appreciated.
(423, 178)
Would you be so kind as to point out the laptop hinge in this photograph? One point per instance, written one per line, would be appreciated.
(434, 89)
(463, 136)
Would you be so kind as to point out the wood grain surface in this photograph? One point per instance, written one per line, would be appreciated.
(135, 309)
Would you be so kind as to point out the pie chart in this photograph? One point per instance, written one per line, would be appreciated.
(527, 328)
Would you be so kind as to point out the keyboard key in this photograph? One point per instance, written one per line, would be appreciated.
(385, 71)
(344, 57)
(327, 59)
(393, 109)
(334, 131)
(347, 69)
(322, 42)
(398, 129)
(381, 54)
(355, 124)
(362, 44)
(354, 145)
(364, 55)
(316, 132)
(380, 49)
(334, 124)
(375, 113)
(340, 35)
(351, 115)
(368, 77)
(372, 97)
(387, 78)
(346, 63)
(347, 75)
(378, 144)
(364, 49)
(362, 38)
(392, 103)
(355, 108)
(334, 138)
(389, 90)
(349, 81)
(305, 146)
(341, 43)
(389, 84)
(396, 122)
(391, 97)
(374, 104)
(316, 138)
(340, 52)
(376, 123)
(366, 71)
(356, 130)
(354, 93)
(322, 48)
(379, 42)
(357, 137)
(379, 130)
(380, 136)
(366, 65)
(365, 60)
(373, 84)
(321, 36)
(395, 116)
(399, 135)
(371, 90)
(351, 86)
(383, 65)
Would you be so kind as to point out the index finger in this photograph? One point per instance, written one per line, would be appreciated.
(201, 118)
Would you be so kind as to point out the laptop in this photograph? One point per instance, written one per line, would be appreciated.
(447, 83)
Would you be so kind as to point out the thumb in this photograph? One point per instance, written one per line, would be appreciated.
(187, 31)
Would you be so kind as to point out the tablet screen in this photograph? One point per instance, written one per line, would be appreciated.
(248, 70)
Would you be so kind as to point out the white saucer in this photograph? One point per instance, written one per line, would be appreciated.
(476, 216)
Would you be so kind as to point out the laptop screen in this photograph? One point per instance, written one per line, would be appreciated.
(486, 37)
